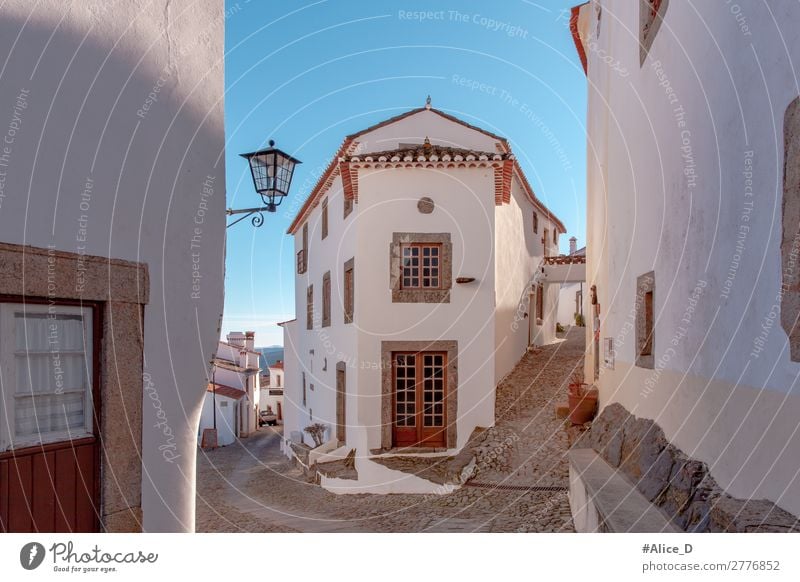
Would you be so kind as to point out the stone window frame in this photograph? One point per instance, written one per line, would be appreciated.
(324, 218)
(440, 295)
(349, 290)
(310, 307)
(387, 386)
(120, 289)
(645, 285)
(326, 299)
(651, 15)
(790, 234)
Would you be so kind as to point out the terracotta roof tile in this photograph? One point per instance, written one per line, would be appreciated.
(224, 390)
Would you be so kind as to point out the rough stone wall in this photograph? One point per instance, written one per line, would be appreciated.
(681, 486)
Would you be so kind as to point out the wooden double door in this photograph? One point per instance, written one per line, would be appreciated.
(419, 381)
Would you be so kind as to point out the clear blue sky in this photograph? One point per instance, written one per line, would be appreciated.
(308, 73)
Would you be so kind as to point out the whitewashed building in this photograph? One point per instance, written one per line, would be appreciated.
(234, 387)
(693, 208)
(111, 251)
(419, 255)
(271, 400)
(570, 298)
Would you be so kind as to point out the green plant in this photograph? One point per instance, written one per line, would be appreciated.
(579, 320)
(559, 328)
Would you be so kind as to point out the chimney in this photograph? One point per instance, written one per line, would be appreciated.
(573, 245)
(236, 338)
(250, 340)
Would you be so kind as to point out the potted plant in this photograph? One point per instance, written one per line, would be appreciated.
(582, 399)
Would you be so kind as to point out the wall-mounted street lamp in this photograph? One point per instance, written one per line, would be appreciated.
(272, 171)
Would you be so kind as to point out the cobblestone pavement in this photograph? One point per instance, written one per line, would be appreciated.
(250, 486)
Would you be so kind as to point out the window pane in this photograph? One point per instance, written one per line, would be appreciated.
(48, 332)
(37, 415)
(50, 373)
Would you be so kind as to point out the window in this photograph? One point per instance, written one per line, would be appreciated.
(304, 388)
(645, 320)
(349, 290)
(46, 352)
(326, 299)
(539, 303)
(277, 381)
(324, 218)
(555, 237)
(310, 307)
(302, 254)
(545, 239)
(420, 267)
(535, 223)
(348, 206)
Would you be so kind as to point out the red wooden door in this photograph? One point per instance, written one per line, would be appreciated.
(420, 399)
(50, 488)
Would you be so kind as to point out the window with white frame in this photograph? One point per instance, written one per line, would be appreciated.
(46, 373)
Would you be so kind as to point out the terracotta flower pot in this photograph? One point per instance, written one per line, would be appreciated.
(582, 408)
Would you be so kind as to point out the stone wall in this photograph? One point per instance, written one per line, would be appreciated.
(680, 486)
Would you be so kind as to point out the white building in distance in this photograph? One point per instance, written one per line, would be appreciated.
(231, 404)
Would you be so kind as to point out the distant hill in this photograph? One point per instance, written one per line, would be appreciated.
(269, 356)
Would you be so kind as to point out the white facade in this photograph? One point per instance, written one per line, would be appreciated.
(227, 417)
(492, 242)
(272, 393)
(686, 179)
(237, 365)
(115, 150)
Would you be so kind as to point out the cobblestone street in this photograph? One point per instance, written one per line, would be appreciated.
(520, 486)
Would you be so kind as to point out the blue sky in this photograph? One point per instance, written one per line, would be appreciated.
(308, 73)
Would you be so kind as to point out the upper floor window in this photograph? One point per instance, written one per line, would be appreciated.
(302, 254)
(324, 217)
(421, 267)
(555, 237)
(651, 13)
(349, 290)
(310, 307)
(348, 206)
(535, 223)
(326, 299)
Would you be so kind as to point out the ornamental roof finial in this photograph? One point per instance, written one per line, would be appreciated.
(428, 102)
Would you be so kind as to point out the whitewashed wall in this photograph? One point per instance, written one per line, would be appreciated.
(718, 94)
(464, 207)
(128, 97)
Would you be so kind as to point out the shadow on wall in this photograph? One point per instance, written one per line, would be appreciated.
(111, 144)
